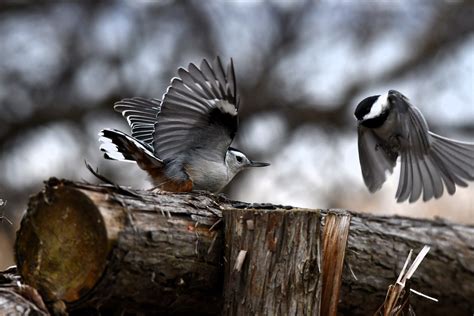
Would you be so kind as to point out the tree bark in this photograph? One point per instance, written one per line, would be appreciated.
(17, 298)
(113, 249)
(283, 262)
(277, 250)
(377, 248)
(93, 246)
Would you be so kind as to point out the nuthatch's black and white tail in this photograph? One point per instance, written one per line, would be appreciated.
(117, 145)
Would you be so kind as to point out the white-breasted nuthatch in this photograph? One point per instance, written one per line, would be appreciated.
(183, 141)
(389, 126)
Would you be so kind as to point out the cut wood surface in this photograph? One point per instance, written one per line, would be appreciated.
(100, 246)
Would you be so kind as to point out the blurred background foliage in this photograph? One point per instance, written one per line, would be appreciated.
(302, 67)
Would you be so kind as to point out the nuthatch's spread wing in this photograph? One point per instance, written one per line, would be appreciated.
(428, 161)
(141, 115)
(198, 113)
(374, 160)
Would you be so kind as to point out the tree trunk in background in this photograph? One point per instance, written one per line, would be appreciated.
(91, 246)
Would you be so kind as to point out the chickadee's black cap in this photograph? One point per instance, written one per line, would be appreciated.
(364, 107)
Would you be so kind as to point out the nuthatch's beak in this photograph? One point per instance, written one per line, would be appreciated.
(258, 164)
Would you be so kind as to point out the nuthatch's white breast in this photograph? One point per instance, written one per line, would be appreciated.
(390, 126)
(183, 141)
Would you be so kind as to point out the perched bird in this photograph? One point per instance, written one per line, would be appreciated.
(390, 126)
(183, 142)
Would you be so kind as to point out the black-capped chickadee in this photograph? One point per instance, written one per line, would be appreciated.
(390, 126)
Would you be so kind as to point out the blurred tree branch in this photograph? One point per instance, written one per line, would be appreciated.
(437, 38)
(59, 106)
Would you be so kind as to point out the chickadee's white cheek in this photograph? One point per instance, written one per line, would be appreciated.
(378, 107)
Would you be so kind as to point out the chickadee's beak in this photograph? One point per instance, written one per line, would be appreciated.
(258, 164)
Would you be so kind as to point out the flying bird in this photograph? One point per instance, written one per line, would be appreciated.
(389, 126)
(183, 141)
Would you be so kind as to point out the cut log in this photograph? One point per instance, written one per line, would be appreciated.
(93, 246)
(283, 262)
(113, 249)
(377, 248)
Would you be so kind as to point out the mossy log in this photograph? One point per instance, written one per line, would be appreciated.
(118, 250)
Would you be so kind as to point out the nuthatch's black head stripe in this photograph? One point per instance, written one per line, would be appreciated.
(183, 141)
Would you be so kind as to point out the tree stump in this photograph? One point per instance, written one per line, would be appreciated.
(283, 262)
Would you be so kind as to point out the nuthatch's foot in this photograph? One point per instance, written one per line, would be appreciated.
(222, 196)
(156, 190)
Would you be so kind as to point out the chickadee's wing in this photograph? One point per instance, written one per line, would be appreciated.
(374, 159)
(417, 174)
(429, 162)
(198, 112)
(141, 115)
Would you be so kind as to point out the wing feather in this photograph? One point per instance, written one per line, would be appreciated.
(197, 88)
(198, 112)
(416, 172)
(208, 84)
(405, 187)
(373, 160)
(220, 75)
(141, 115)
(432, 161)
(209, 73)
(402, 182)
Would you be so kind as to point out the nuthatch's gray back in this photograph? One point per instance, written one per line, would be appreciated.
(183, 142)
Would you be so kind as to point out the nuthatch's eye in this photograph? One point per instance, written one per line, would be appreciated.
(239, 159)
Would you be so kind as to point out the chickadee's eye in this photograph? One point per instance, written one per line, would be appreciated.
(239, 159)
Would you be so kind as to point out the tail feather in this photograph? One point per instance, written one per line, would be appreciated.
(449, 163)
(460, 155)
(456, 172)
(117, 145)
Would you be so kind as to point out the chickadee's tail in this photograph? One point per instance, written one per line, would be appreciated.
(449, 163)
(117, 145)
(456, 157)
